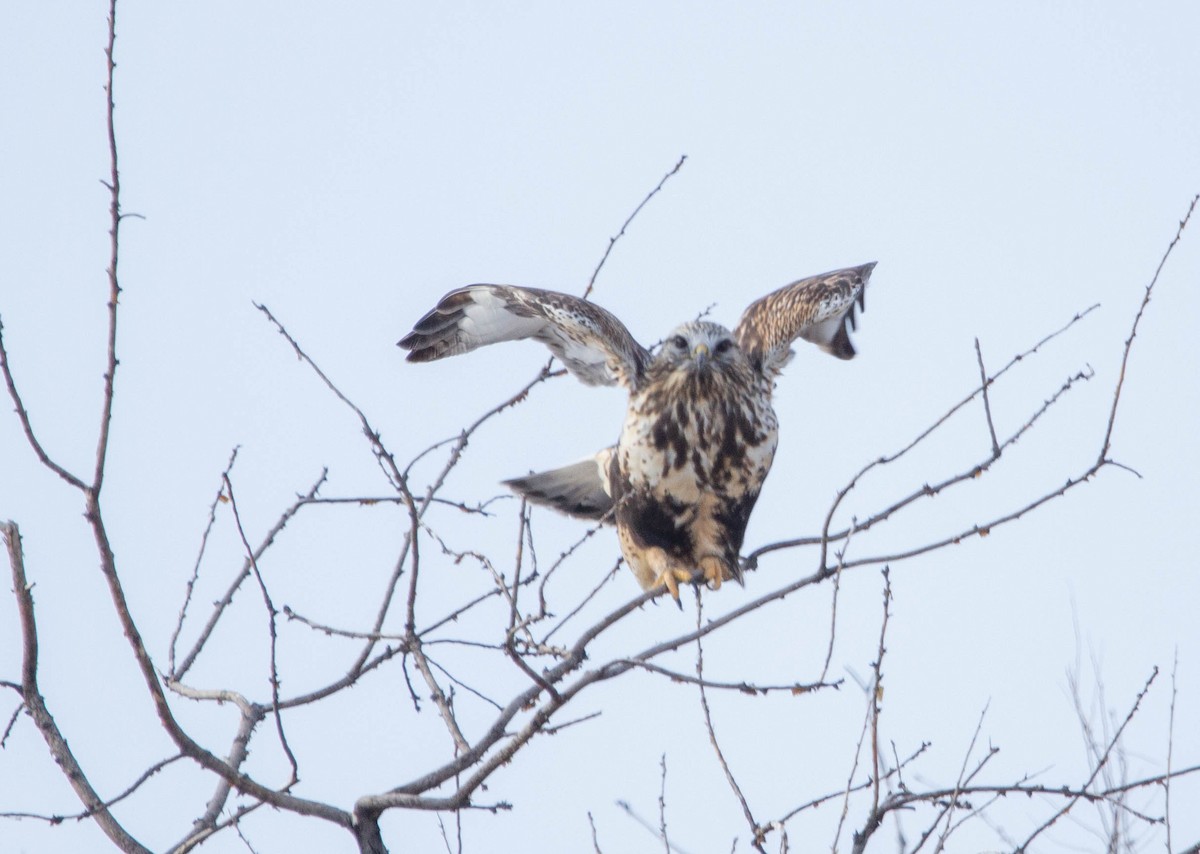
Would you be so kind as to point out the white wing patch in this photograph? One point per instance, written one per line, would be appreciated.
(485, 320)
(591, 342)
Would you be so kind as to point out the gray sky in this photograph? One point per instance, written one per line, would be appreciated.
(1006, 166)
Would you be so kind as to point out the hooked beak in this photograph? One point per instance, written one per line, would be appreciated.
(700, 353)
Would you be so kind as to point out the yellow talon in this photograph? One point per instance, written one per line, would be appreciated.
(670, 578)
(714, 570)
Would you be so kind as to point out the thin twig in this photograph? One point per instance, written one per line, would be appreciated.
(272, 615)
(1170, 748)
(905, 799)
(88, 813)
(962, 778)
(871, 782)
(751, 688)
(1112, 415)
(114, 233)
(662, 805)
(877, 666)
(27, 424)
(595, 840)
(191, 584)
(629, 811)
(220, 606)
(604, 580)
(612, 241)
(12, 720)
(562, 559)
(837, 584)
(557, 728)
(464, 685)
(755, 831)
(984, 382)
(1100, 765)
(859, 787)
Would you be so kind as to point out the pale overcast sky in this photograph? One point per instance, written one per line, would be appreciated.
(1007, 166)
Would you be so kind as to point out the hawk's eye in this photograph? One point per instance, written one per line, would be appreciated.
(723, 345)
(679, 342)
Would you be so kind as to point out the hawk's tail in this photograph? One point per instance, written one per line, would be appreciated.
(580, 489)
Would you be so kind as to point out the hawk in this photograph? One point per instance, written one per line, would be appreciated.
(699, 433)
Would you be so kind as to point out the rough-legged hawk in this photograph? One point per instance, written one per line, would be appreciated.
(699, 433)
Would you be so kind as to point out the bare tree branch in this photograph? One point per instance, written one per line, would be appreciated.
(143, 778)
(755, 831)
(1137, 319)
(963, 778)
(662, 806)
(26, 424)
(12, 719)
(875, 697)
(191, 584)
(114, 233)
(984, 382)
(1170, 748)
(595, 840)
(273, 635)
(612, 241)
(36, 704)
(219, 607)
(752, 559)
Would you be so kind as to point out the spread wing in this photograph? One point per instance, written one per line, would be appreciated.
(819, 309)
(591, 342)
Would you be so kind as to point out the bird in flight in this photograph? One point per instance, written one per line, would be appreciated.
(699, 433)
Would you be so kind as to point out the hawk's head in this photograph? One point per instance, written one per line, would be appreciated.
(697, 345)
(699, 350)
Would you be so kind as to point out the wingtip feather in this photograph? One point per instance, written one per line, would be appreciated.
(841, 345)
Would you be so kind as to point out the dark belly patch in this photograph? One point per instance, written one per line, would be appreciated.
(655, 523)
